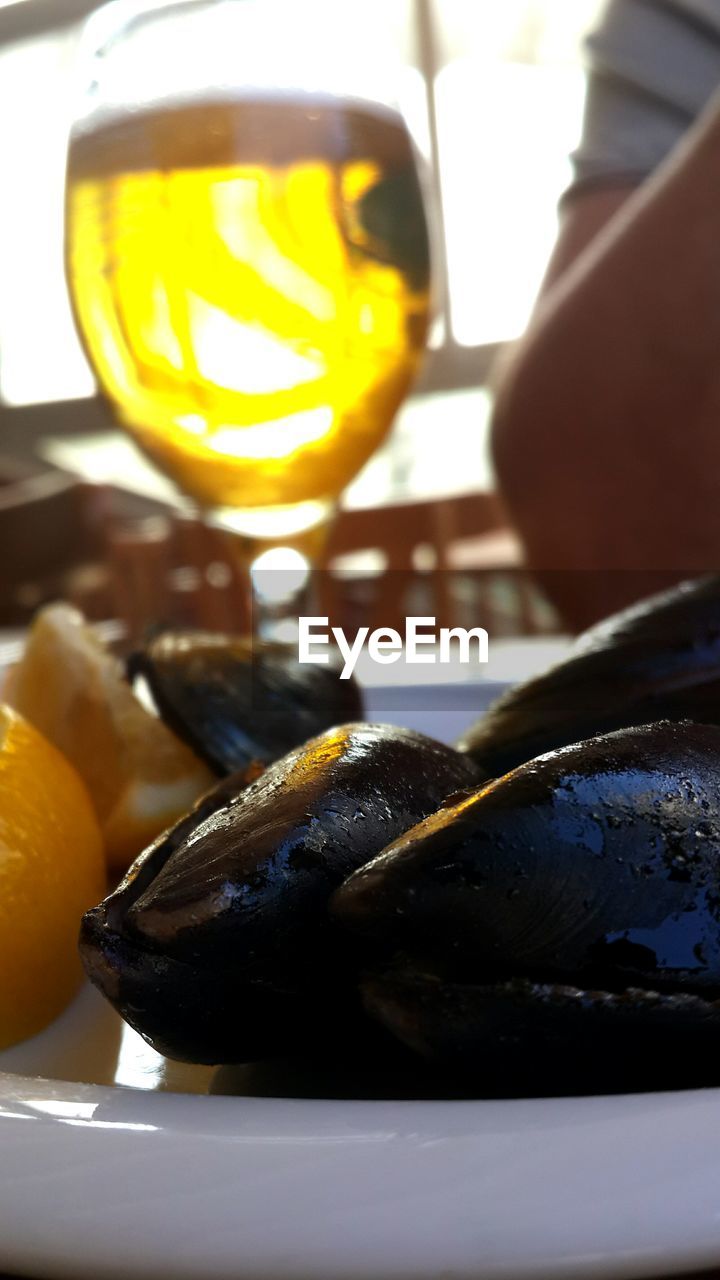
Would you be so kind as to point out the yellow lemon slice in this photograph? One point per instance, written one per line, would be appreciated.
(51, 870)
(140, 777)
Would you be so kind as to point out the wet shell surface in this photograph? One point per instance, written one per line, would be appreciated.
(234, 700)
(657, 660)
(570, 911)
(217, 946)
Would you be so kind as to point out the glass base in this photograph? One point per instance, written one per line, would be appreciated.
(275, 526)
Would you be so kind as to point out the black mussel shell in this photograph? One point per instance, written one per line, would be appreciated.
(596, 867)
(523, 1039)
(658, 660)
(217, 947)
(234, 700)
(146, 866)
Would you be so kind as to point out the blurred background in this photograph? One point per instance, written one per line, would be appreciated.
(493, 94)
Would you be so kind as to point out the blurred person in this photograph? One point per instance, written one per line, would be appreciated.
(606, 431)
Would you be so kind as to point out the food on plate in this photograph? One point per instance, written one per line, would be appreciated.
(139, 775)
(555, 929)
(658, 660)
(235, 700)
(51, 870)
(217, 945)
(562, 922)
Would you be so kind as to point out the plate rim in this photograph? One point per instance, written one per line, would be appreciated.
(154, 1120)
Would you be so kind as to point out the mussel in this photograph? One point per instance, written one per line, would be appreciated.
(235, 700)
(217, 947)
(560, 927)
(658, 660)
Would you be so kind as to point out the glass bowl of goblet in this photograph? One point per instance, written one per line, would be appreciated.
(247, 251)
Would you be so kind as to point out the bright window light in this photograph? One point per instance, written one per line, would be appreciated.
(505, 133)
(40, 356)
(509, 97)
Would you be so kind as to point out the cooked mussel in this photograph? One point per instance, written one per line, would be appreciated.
(217, 946)
(657, 660)
(234, 700)
(565, 916)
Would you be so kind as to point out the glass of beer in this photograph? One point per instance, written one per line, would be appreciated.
(247, 251)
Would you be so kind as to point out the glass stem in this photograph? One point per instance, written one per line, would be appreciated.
(278, 580)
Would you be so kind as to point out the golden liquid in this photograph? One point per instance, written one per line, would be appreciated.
(250, 280)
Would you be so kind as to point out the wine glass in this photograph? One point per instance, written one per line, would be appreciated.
(247, 252)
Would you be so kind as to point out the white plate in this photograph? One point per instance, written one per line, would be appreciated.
(111, 1167)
